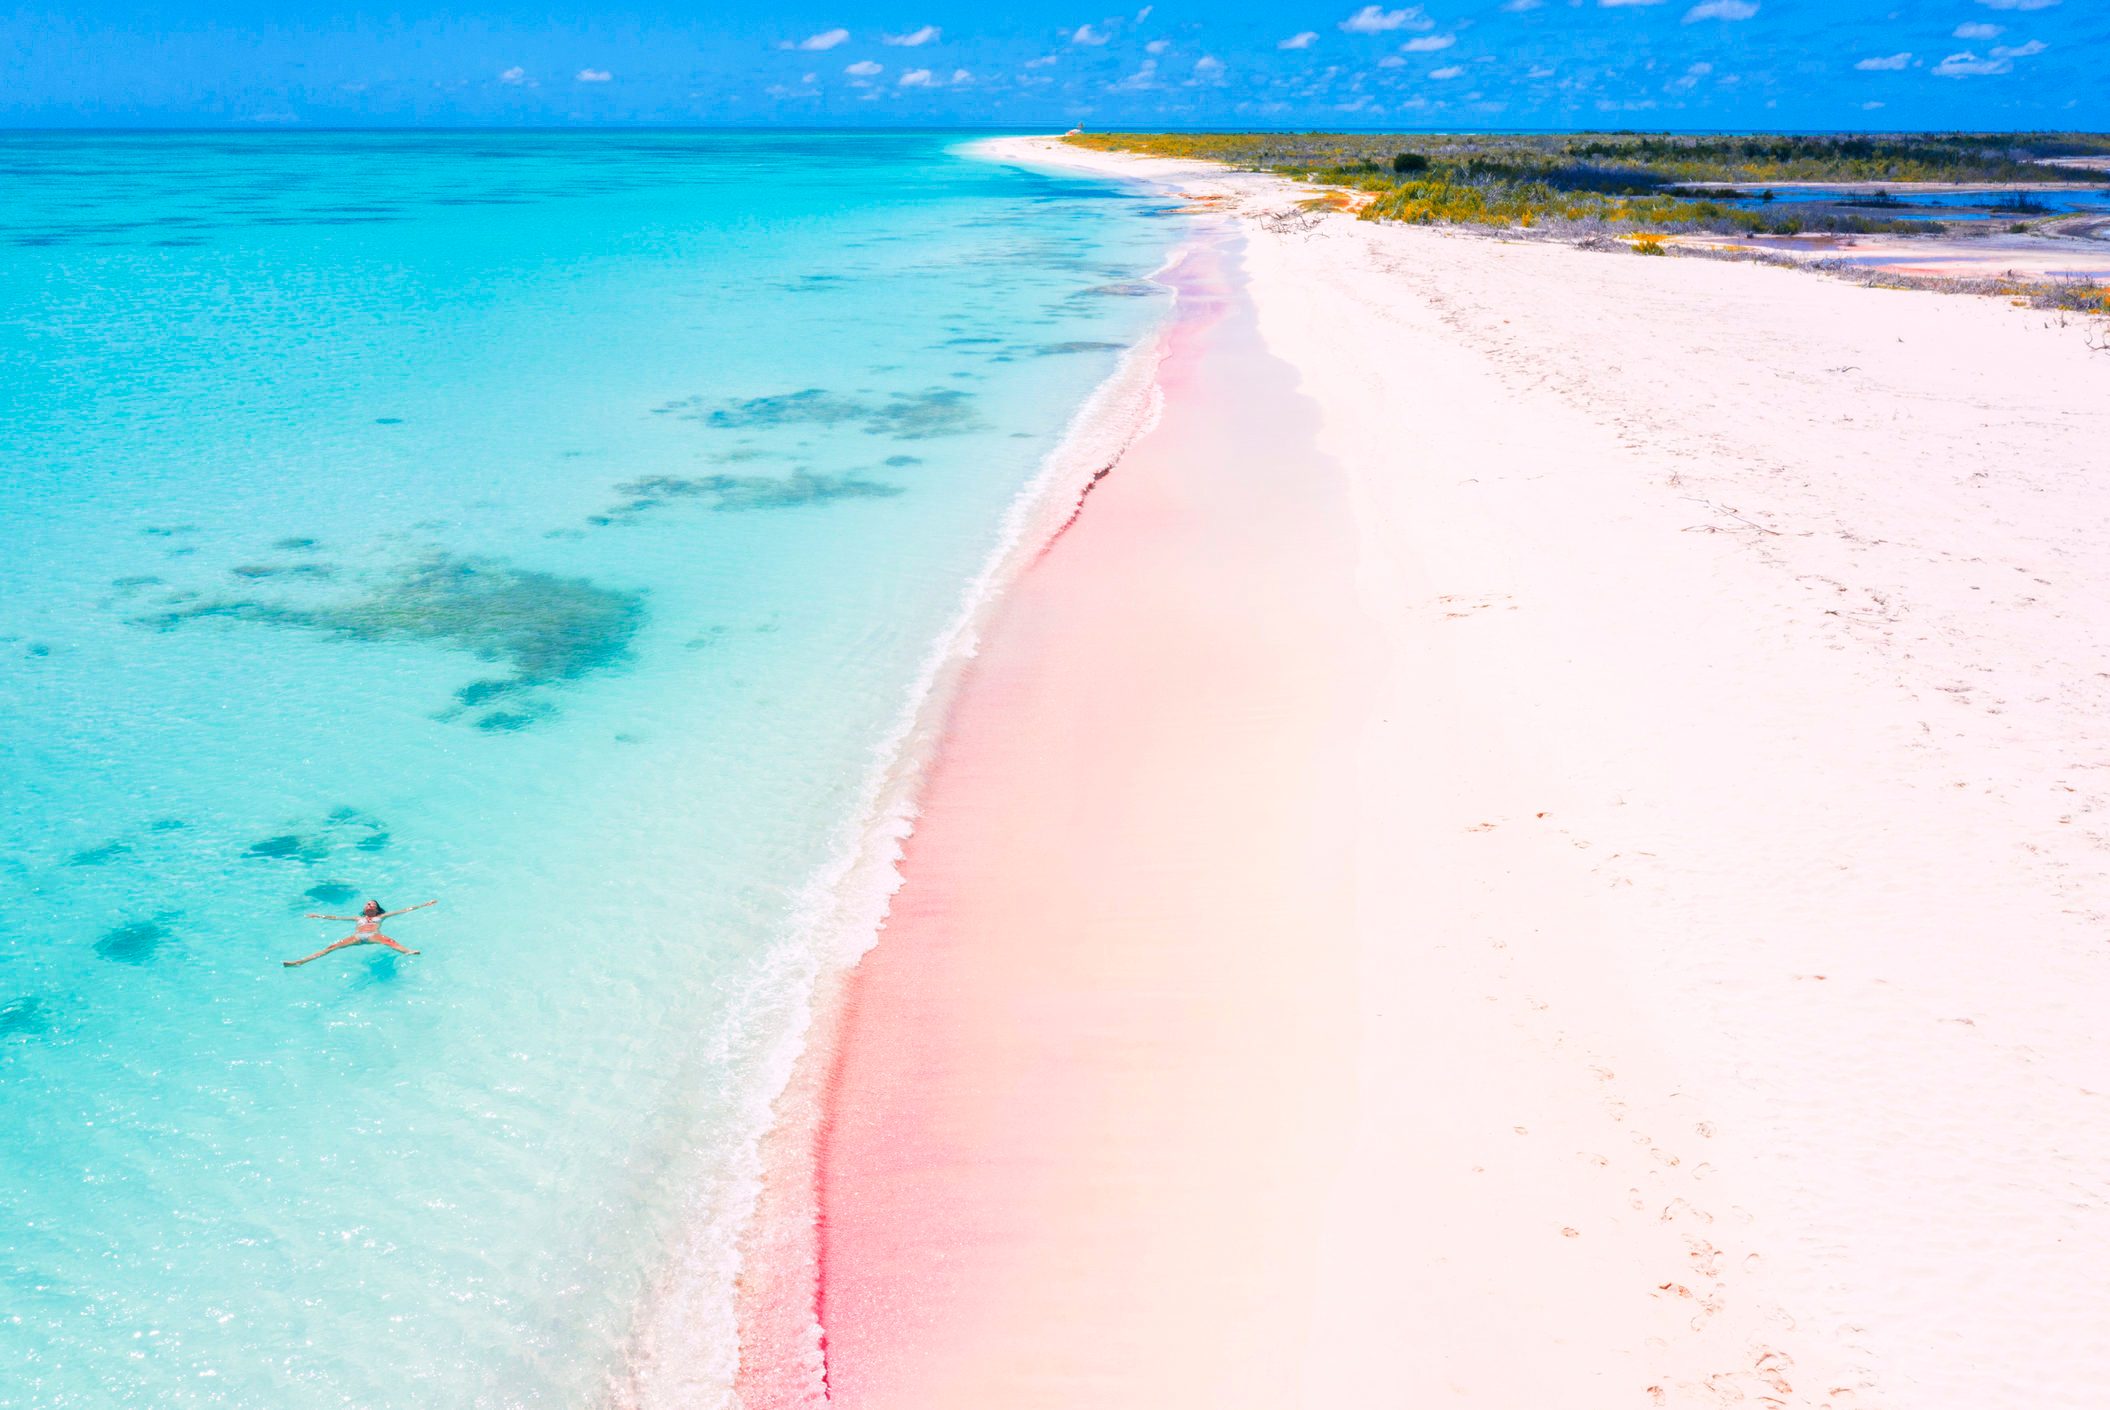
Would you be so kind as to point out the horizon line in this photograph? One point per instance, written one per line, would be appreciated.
(582, 129)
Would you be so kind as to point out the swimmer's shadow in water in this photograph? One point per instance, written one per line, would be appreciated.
(546, 629)
(380, 969)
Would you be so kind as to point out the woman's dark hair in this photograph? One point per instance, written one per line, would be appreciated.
(373, 906)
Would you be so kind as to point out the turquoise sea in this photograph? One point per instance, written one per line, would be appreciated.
(557, 525)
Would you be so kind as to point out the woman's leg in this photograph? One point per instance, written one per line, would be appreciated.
(392, 943)
(347, 940)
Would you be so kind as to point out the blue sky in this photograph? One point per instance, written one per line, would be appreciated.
(1185, 63)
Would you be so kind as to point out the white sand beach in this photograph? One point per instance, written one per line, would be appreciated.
(1751, 898)
(1725, 943)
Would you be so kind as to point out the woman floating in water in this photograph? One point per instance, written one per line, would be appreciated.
(366, 932)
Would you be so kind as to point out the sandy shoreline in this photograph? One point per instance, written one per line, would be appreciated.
(770, 1203)
(1541, 843)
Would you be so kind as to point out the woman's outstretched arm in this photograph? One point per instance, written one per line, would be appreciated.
(318, 915)
(406, 910)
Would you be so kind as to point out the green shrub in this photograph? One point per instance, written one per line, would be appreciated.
(1624, 178)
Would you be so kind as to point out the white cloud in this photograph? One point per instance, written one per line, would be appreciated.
(594, 75)
(1518, 7)
(1616, 4)
(1690, 79)
(917, 78)
(1452, 72)
(1145, 76)
(1428, 44)
(2000, 59)
(1542, 71)
(1375, 19)
(515, 74)
(1871, 105)
(863, 68)
(1208, 69)
(1721, 10)
(1085, 34)
(1392, 61)
(962, 76)
(1042, 62)
(826, 39)
(1144, 13)
(1978, 31)
(1888, 61)
(1157, 46)
(2018, 4)
(927, 34)
(1302, 40)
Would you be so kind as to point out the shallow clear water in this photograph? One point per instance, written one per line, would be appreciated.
(554, 525)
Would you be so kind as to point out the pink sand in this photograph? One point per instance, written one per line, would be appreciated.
(1111, 972)
(1554, 857)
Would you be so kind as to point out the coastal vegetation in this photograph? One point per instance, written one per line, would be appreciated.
(1662, 181)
